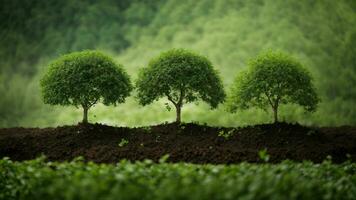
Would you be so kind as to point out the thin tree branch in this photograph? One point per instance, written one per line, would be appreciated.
(171, 99)
(91, 104)
(269, 100)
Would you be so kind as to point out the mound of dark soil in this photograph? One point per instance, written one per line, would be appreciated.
(187, 143)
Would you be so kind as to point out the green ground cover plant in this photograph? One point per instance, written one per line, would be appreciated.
(37, 179)
(123, 142)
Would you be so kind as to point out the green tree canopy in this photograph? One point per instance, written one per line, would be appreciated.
(83, 79)
(272, 79)
(181, 76)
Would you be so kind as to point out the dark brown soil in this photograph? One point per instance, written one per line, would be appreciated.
(187, 143)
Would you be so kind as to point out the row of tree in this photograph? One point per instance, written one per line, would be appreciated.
(85, 78)
(321, 34)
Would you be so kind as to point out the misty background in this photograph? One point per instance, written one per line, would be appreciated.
(320, 34)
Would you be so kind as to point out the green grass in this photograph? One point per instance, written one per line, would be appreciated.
(38, 179)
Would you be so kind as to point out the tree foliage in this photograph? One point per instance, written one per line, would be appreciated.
(83, 79)
(272, 79)
(181, 76)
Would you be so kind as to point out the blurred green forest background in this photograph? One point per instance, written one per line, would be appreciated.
(320, 33)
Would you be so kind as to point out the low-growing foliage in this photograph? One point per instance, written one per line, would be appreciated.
(36, 179)
(147, 129)
(312, 132)
(263, 155)
(123, 142)
(164, 158)
(158, 137)
(226, 134)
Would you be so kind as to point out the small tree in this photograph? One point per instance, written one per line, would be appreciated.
(182, 77)
(83, 79)
(273, 79)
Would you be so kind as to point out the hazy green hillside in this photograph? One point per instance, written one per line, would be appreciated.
(322, 34)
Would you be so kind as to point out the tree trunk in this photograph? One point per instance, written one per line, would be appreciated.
(85, 115)
(275, 114)
(178, 109)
